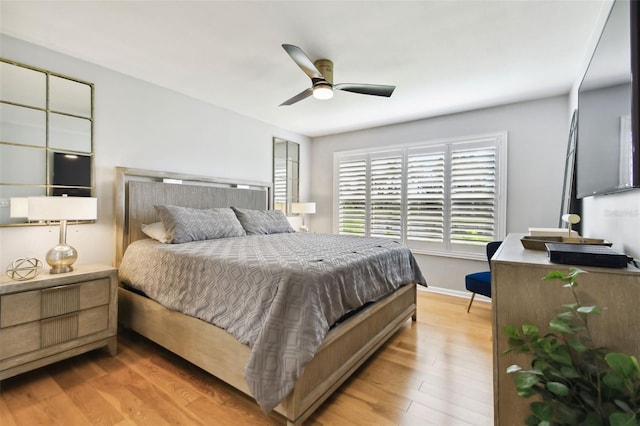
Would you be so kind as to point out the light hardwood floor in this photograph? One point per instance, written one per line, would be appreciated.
(436, 371)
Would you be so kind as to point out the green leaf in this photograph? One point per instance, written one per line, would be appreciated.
(569, 372)
(623, 419)
(561, 355)
(574, 272)
(561, 326)
(531, 420)
(589, 310)
(542, 410)
(623, 405)
(614, 381)
(525, 380)
(558, 388)
(541, 364)
(620, 363)
(529, 329)
(634, 360)
(555, 275)
(567, 315)
(513, 368)
(591, 419)
(533, 371)
(568, 415)
(511, 331)
(577, 345)
(589, 399)
(525, 393)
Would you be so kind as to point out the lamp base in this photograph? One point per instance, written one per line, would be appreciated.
(60, 258)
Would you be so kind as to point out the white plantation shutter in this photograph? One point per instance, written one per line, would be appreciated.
(473, 195)
(425, 196)
(385, 198)
(352, 196)
(280, 183)
(442, 198)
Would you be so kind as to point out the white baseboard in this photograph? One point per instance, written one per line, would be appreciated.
(455, 293)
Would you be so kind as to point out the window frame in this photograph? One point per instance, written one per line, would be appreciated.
(496, 140)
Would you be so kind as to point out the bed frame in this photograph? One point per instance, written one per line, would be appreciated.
(346, 347)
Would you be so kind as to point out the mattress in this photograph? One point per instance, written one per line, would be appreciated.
(279, 293)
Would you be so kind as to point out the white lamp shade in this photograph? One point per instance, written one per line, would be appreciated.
(18, 207)
(304, 208)
(63, 208)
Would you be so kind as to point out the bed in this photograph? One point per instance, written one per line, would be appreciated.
(345, 347)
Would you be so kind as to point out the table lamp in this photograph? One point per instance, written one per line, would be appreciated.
(18, 207)
(571, 219)
(62, 257)
(303, 209)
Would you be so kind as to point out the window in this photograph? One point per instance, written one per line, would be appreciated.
(446, 197)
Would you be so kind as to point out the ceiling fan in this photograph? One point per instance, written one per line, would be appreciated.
(321, 74)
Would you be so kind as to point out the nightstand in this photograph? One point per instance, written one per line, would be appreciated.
(53, 317)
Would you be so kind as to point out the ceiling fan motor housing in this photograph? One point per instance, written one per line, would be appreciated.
(325, 66)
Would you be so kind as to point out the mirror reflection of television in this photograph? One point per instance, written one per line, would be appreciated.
(71, 171)
(608, 148)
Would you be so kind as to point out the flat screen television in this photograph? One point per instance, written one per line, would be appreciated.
(71, 174)
(608, 148)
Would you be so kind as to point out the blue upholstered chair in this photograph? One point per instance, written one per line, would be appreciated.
(480, 282)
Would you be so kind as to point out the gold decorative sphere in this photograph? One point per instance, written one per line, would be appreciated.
(24, 269)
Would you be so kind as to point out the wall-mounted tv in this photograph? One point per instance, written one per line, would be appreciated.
(608, 146)
(71, 174)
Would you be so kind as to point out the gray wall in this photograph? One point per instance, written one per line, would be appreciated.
(537, 142)
(138, 124)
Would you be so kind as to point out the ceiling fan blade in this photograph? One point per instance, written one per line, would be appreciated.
(303, 61)
(366, 89)
(300, 96)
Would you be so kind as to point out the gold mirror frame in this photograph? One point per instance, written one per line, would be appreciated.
(46, 124)
(286, 174)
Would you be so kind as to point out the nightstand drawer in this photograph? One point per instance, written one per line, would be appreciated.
(20, 339)
(29, 306)
(20, 308)
(93, 320)
(68, 327)
(24, 338)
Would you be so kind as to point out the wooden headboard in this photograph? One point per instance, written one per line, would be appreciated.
(138, 191)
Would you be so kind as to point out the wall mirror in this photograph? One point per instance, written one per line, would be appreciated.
(286, 174)
(46, 136)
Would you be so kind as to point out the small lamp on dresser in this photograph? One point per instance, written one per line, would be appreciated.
(62, 257)
(303, 209)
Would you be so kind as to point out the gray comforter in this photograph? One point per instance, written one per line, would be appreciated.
(277, 293)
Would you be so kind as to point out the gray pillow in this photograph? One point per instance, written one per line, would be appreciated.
(186, 224)
(263, 221)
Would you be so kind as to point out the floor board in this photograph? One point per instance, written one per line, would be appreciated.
(436, 371)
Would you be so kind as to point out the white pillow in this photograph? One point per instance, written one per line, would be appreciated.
(156, 231)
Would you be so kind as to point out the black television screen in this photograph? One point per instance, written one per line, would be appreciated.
(608, 151)
(72, 171)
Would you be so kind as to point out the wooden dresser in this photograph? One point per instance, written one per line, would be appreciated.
(53, 317)
(519, 295)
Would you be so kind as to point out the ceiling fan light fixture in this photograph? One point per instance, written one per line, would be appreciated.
(322, 91)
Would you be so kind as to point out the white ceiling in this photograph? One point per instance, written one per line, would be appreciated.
(443, 56)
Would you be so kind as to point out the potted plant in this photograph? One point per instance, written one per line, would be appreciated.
(576, 382)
